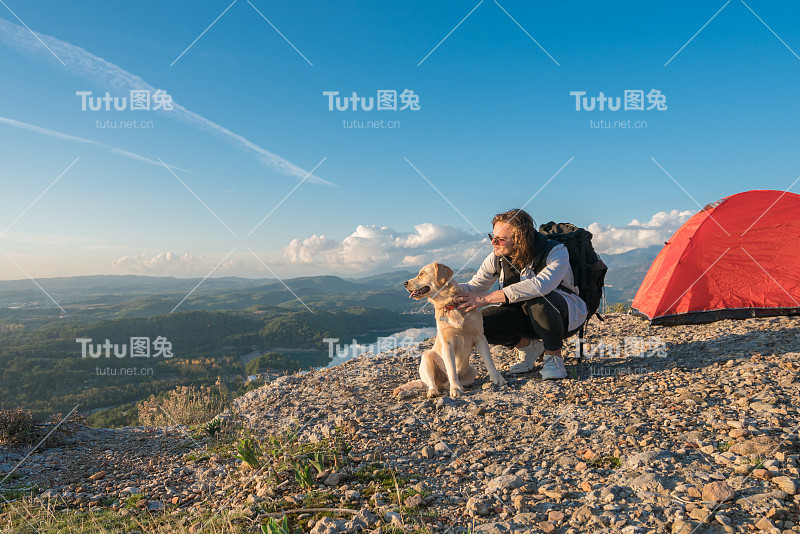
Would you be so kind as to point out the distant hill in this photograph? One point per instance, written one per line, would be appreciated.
(626, 272)
(637, 256)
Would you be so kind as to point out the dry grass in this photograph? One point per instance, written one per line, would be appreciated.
(25, 516)
(186, 405)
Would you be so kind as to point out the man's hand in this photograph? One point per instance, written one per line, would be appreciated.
(470, 301)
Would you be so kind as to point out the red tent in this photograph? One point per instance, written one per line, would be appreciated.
(738, 257)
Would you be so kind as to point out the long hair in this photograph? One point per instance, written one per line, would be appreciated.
(524, 235)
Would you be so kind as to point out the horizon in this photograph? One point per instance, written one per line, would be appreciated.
(255, 172)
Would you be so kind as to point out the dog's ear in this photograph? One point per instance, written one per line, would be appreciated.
(442, 274)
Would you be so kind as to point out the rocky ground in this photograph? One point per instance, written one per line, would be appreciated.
(662, 429)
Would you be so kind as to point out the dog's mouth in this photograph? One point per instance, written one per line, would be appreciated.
(419, 292)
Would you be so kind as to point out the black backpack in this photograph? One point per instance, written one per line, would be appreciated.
(588, 270)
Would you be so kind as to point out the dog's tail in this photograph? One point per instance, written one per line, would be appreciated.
(410, 389)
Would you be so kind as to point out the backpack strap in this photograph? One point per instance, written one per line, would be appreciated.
(541, 262)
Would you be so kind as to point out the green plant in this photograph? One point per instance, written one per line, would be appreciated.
(303, 475)
(273, 526)
(573, 373)
(605, 461)
(724, 446)
(213, 427)
(318, 461)
(248, 452)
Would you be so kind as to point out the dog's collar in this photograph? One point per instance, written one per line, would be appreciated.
(449, 307)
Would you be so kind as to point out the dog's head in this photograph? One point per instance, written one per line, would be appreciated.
(430, 281)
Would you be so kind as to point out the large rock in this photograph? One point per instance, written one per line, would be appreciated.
(758, 445)
(334, 479)
(717, 491)
(500, 528)
(651, 482)
(503, 482)
(786, 484)
(327, 525)
(478, 505)
(646, 458)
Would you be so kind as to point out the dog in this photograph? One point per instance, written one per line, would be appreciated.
(456, 334)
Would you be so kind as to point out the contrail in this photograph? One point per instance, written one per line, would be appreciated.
(113, 77)
(68, 137)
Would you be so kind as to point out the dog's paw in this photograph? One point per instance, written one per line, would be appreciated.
(433, 393)
(456, 391)
(499, 380)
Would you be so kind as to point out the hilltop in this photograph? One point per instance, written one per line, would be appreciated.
(700, 427)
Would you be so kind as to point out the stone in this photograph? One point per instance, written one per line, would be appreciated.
(646, 458)
(334, 479)
(428, 452)
(328, 525)
(413, 501)
(366, 517)
(650, 482)
(737, 433)
(503, 482)
(393, 518)
(723, 520)
(100, 475)
(478, 505)
(547, 526)
(761, 474)
(762, 445)
(441, 447)
(554, 516)
(786, 484)
(718, 492)
(499, 528)
(155, 506)
(680, 526)
(765, 525)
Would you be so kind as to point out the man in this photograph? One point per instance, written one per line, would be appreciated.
(538, 301)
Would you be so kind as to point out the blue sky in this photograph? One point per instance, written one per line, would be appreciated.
(496, 123)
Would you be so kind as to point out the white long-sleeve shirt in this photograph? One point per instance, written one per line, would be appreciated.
(556, 271)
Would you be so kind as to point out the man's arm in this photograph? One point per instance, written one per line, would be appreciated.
(546, 281)
(483, 279)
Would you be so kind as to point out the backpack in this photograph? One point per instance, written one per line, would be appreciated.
(588, 270)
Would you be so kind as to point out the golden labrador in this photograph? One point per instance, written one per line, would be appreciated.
(456, 334)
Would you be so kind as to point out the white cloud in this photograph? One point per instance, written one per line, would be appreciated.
(378, 249)
(114, 78)
(636, 234)
(169, 263)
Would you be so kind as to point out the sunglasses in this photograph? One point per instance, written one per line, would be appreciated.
(494, 238)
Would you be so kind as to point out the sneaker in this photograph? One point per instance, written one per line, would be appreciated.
(553, 368)
(527, 357)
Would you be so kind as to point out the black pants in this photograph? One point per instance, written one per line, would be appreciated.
(507, 324)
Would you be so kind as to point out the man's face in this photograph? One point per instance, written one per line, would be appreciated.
(503, 241)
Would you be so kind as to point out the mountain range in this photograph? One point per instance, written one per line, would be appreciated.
(109, 296)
